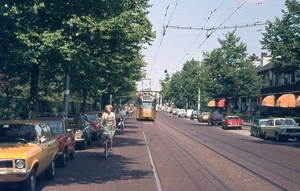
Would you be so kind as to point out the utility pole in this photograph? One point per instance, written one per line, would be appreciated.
(67, 89)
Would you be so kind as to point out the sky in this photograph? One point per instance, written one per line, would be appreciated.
(183, 39)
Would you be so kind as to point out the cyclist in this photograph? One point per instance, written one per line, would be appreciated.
(108, 122)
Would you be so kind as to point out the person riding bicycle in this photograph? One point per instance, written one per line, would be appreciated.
(108, 123)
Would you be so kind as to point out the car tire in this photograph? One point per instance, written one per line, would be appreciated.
(63, 160)
(72, 154)
(266, 136)
(30, 183)
(257, 134)
(277, 137)
(50, 172)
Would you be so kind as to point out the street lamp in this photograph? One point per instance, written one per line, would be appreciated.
(199, 90)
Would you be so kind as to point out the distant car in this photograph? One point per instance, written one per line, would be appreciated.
(203, 117)
(281, 128)
(94, 120)
(181, 113)
(256, 127)
(28, 148)
(215, 118)
(232, 121)
(189, 112)
(83, 131)
(65, 136)
(175, 111)
(194, 115)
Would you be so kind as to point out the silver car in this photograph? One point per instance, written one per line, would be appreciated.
(281, 128)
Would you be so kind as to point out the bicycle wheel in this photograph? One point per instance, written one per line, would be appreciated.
(106, 150)
(122, 127)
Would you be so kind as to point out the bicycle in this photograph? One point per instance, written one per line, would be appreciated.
(106, 143)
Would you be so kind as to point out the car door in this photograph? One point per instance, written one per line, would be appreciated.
(43, 156)
(269, 128)
(51, 143)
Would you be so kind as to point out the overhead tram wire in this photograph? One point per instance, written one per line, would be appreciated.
(215, 29)
(160, 39)
(164, 32)
(209, 17)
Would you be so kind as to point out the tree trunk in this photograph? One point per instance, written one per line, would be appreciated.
(33, 99)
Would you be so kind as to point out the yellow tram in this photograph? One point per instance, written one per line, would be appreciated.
(146, 108)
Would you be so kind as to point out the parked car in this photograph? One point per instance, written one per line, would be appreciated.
(94, 119)
(65, 136)
(203, 117)
(281, 128)
(175, 111)
(194, 115)
(181, 113)
(215, 118)
(28, 148)
(83, 131)
(256, 127)
(232, 121)
(189, 112)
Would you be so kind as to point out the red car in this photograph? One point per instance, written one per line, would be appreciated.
(94, 120)
(65, 135)
(232, 121)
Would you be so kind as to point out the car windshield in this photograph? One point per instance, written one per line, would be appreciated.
(217, 115)
(11, 133)
(264, 122)
(56, 125)
(92, 118)
(289, 122)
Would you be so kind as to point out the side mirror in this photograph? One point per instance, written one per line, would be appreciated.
(43, 139)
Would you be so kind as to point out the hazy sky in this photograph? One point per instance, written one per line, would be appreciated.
(183, 39)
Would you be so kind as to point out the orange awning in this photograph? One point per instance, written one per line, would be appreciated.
(286, 100)
(221, 103)
(268, 101)
(298, 101)
(211, 103)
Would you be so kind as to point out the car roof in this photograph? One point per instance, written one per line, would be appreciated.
(21, 121)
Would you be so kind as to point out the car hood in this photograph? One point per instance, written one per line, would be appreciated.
(8, 150)
(288, 127)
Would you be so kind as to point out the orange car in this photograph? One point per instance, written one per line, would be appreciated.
(27, 149)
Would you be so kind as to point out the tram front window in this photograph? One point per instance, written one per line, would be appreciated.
(147, 105)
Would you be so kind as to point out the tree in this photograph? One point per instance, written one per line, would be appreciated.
(282, 39)
(229, 71)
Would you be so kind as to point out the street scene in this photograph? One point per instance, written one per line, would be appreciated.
(149, 95)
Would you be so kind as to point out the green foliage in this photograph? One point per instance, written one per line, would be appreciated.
(98, 42)
(282, 39)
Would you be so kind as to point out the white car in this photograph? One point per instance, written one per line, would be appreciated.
(181, 113)
(189, 112)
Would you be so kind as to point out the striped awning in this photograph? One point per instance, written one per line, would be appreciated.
(211, 103)
(286, 100)
(268, 101)
(221, 103)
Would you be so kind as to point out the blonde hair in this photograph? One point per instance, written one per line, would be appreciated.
(108, 106)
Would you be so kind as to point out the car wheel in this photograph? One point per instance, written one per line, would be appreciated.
(63, 160)
(72, 154)
(95, 137)
(258, 134)
(266, 136)
(30, 182)
(277, 137)
(50, 172)
(251, 134)
(225, 127)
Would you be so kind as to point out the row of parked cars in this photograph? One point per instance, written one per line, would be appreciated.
(32, 147)
(230, 121)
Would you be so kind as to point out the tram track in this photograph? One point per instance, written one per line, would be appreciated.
(195, 138)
